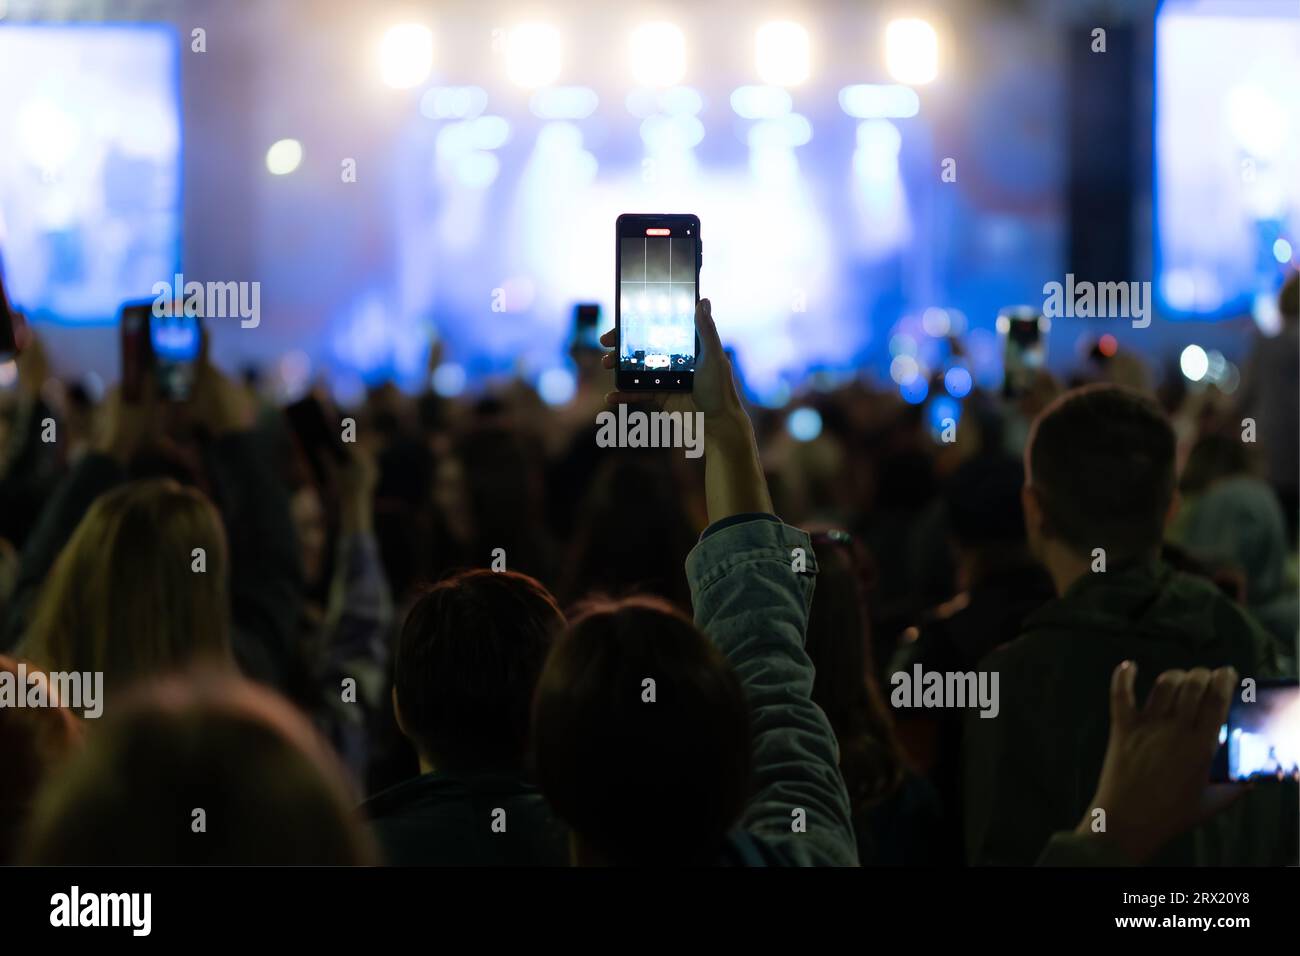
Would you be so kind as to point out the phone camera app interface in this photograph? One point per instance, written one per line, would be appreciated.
(657, 304)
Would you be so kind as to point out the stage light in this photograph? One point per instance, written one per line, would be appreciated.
(902, 344)
(760, 102)
(564, 103)
(904, 369)
(406, 55)
(911, 51)
(1282, 251)
(477, 170)
(1216, 366)
(1257, 121)
(957, 381)
(936, 322)
(489, 132)
(283, 157)
(448, 380)
(671, 134)
(49, 135)
(879, 101)
(804, 424)
(681, 101)
(942, 409)
(915, 391)
(876, 156)
(1108, 345)
(782, 53)
(454, 102)
(557, 386)
(533, 55)
(1194, 363)
(773, 166)
(783, 133)
(658, 54)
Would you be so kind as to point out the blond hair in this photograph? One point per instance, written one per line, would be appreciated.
(128, 595)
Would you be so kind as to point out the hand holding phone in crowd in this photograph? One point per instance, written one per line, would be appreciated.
(734, 480)
(1155, 779)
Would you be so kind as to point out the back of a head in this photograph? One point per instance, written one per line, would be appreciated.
(207, 770)
(139, 589)
(1100, 460)
(503, 484)
(467, 662)
(641, 736)
(33, 742)
(646, 554)
(1214, 456)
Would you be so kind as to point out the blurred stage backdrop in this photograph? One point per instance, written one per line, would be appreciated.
(871, 178)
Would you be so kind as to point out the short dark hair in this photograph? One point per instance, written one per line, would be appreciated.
(642, 782)
(467, 661)
(1101, 460)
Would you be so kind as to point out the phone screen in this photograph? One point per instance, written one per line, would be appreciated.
(1261, 740)
(175, 340)
(658, 266)
(1024, 348)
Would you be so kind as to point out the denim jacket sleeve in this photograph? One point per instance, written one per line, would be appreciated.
(754, 606)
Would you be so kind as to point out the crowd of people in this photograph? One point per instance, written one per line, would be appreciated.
(470, 636)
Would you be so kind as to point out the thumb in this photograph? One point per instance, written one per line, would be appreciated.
(1123, 701)
(708, 332)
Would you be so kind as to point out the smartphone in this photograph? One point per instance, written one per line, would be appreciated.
(586, 327)
(312, 427)
(1024, 347)
(137, 353)
(162, 342)
(1261, 740)
(176, 337)
(657, 274)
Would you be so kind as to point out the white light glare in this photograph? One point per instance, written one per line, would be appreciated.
(533, 54)
(658, 54)
(406, 55)
(911, 51)
(1194, 363)
(283, 157)
(782, 53)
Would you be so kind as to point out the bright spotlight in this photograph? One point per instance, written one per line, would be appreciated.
(782, 53)
(658, 54)
(449, 380)
(406, 55)
(533, 55)
(1194, 363)
(911, 51)
(283, 157)
(556, 386)
(957, 380)
(804, 424)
